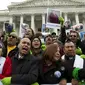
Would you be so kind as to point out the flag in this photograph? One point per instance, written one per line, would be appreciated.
(8, 27)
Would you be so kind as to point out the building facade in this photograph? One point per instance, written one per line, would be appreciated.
(33, 12)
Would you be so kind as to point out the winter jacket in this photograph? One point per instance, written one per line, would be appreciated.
(24, 71)
(6, 68)
(48, 75)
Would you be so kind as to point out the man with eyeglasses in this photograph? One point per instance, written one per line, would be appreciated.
(11, 44)
(11, 41)
(74, 37)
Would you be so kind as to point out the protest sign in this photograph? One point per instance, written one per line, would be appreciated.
(8, 28)
(53, 18)
(23, 29)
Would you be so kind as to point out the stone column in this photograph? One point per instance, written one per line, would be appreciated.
(84, 24)
(3, 26)
(43, 18)
(83, 21)
(33, 22)
(11, 20)
(73, 22)
(65, 16)
(77, 18)
(21, 22)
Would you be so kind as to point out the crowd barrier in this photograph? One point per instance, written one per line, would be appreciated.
(42, 84)
(56, 84)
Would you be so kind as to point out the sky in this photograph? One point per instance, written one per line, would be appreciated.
(5, 3)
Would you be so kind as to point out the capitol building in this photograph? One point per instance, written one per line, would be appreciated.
(34, 12)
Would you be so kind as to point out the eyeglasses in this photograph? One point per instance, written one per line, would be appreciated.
(12, 36)
(73, 36)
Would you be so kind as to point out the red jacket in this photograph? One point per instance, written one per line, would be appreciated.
(6, 72)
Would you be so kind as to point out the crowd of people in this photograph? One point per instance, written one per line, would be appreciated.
(28, 61)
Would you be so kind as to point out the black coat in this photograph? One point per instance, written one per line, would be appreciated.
(83, 46)
(24, 71)
(49, 77)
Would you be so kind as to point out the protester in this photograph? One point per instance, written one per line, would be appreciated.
(24, 66)
(74, 37)
(29, 33)
(51, 69)
(36, 47)
(48, 40)
(3, 41)
(71, 57)
(11, 43)
(83, 45)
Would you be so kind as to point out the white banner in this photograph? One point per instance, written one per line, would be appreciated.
(53, 25)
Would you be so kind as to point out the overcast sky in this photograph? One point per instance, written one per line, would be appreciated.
(5, 3)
